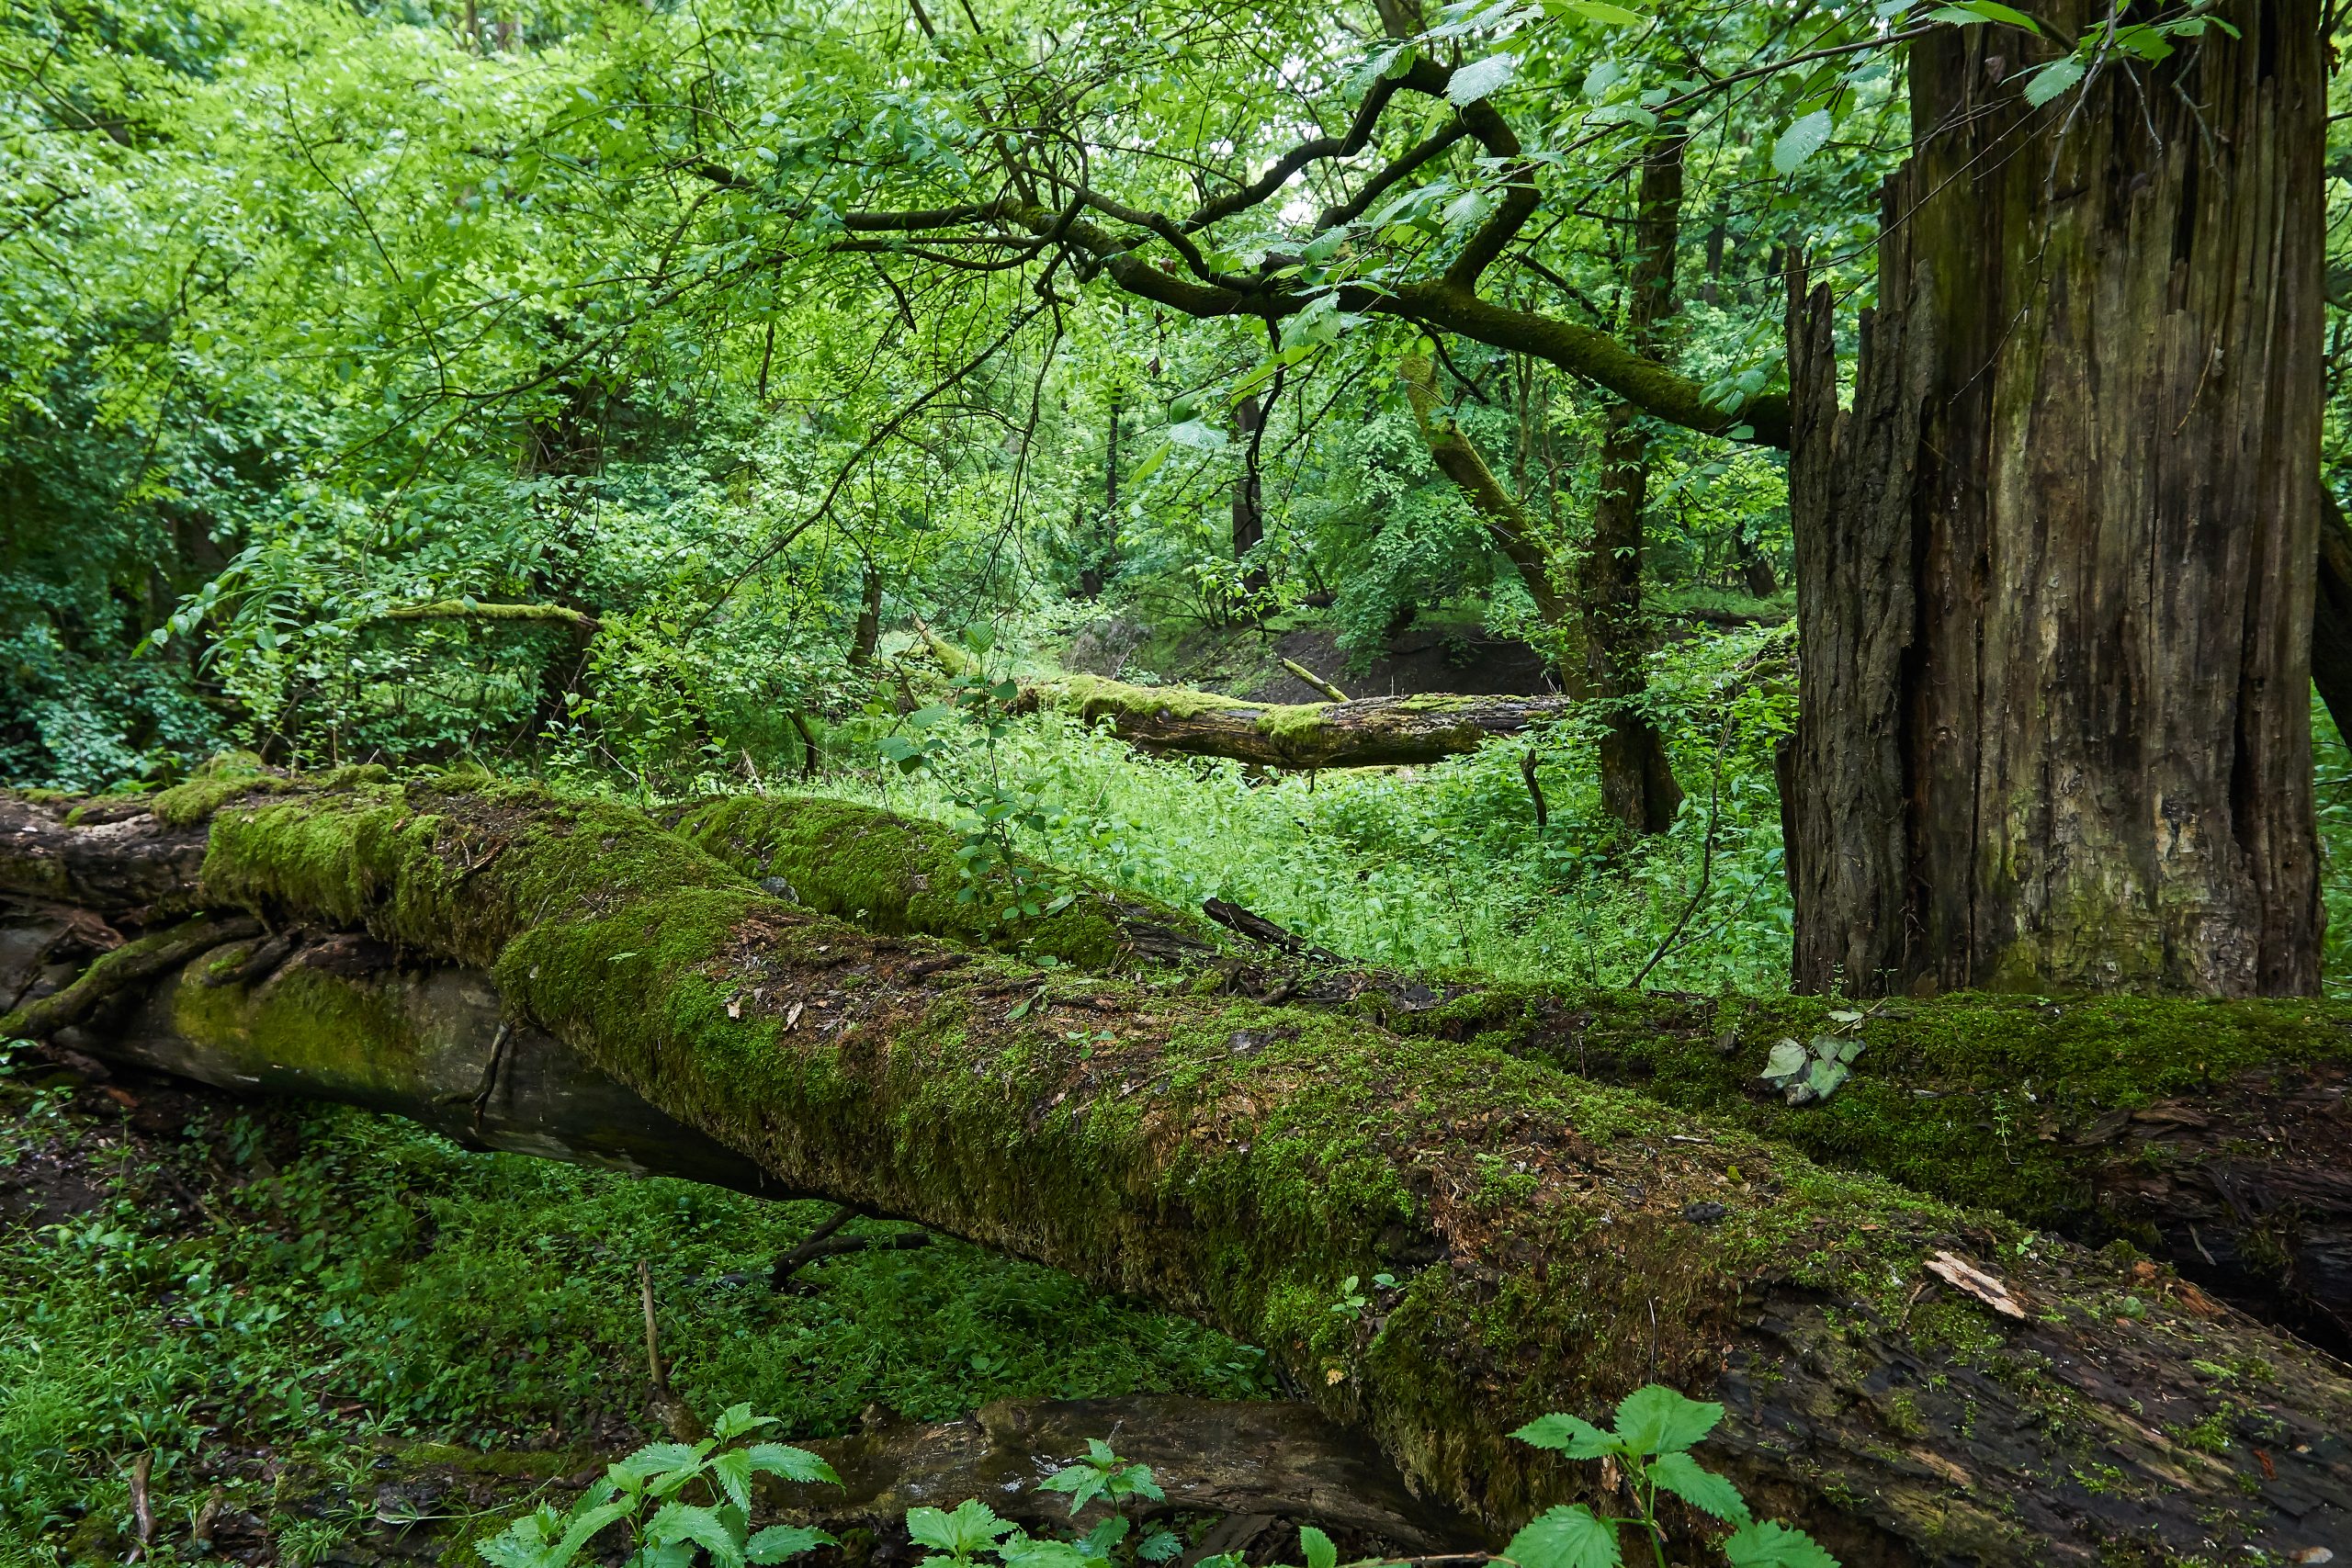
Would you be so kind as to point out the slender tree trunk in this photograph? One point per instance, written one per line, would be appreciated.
(1249, 417)
(1103, 552)
(1637, 784)
(868, 634)
(2055, 567)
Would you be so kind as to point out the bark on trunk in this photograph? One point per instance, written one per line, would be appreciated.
(2055, 567)
(1554, 1242)
(1637, 784)
(867, 634)
(1248, 491)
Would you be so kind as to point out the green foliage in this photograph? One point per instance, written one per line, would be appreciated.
(350, 1280)
(1651, 1440)
(699, 1496)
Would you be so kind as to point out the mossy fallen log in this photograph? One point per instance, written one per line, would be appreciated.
(900, 875)
(2208, 1134)
(337, 1017)
(1361, 733)
(1553, 1243)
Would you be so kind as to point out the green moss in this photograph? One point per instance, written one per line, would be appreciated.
(1988, 1100)
(1232, 1161)
(901, 876)
(223, 778)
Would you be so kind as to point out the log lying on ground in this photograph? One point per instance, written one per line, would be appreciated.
(1363, 733)
(900, 875)
(1554, 1242)
(336, 1018)
(2209, 1134)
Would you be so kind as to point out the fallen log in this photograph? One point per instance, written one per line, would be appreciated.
(1362, 733)
(1268, 1467)
(900, 875)
(335, 1018)
(2208, 1134)
(1552, 1243)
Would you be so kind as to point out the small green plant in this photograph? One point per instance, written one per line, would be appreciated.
(1102, 1473)
(664, 1478)
(1352, 1297)
(1657, 1427)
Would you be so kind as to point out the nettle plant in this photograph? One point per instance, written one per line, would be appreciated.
(681, 1503)
(1656, 1430)
(678, 1502)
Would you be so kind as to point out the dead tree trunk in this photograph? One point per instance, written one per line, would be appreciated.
(1554, 1242)
(1637, 784)
(2056, 566)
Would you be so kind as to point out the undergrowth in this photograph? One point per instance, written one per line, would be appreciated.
(349, 1280)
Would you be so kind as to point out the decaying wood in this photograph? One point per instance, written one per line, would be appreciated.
(2054, 565)
(1554, 1242)
(338, 1022)
(1362, 733)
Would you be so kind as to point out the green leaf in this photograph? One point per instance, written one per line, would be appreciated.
(1599, 11)
(778, 1542)
(2053, 79)
(1565, 1538)
(1968, 13)
(1082, 1482)
(1656, 1419)
(680, 1522)
(1700, 1487)
(1569, 1434)
(1023, 1552)
(738, 1419)
(1320, 1552)
(1787, 1060)
(656, 1458)
(733, 1470)
(1480, 78)
(1827, 1074)
(1775, 1545)
(1160, 1546)
(1800, 141)
(971, 1528)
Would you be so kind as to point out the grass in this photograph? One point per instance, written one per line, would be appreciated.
(1430, 867)
(350, 1280)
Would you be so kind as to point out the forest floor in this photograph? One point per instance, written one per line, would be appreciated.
(344, 1340)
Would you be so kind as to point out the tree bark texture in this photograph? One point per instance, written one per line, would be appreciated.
(2056, 566)
(2208, 1134)
(1554, 1242)
(1637, 784)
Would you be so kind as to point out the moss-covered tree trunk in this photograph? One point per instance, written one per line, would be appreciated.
(1637, 784)
(1553, 1243)
(2055, 565)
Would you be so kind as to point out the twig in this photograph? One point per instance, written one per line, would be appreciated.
(489, 1082)
(652, 1339)
(1535, 789)
(824, 1243)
